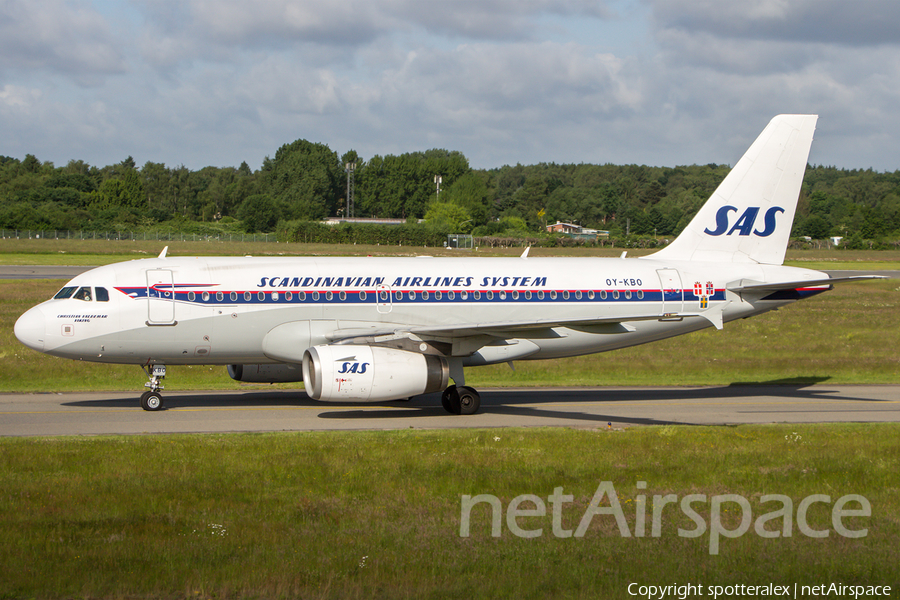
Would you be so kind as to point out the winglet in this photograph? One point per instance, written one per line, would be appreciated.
(525, 254)
(163, 253)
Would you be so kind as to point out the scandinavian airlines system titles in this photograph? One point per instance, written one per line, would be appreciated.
(411, 281)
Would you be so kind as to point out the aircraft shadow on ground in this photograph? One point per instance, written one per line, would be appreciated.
(521, 402)
(518, 402)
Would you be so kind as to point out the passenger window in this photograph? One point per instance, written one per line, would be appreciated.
(83, 294)
(102, 294)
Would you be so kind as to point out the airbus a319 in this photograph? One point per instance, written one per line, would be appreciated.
(378, 329)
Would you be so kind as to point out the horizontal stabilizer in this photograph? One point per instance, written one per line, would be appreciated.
(755, 286)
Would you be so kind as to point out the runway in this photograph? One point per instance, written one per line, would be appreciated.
(264, 410)
(41, 271)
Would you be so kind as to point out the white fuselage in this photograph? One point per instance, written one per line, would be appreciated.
(218, 310)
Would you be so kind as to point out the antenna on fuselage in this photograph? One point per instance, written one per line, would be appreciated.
(163, 253)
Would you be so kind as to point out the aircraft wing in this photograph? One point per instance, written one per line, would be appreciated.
(755, 286)
(504, 329)
(536, 328)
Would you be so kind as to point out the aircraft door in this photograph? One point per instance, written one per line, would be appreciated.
(672, 291)
(383, 298)
(160, 297)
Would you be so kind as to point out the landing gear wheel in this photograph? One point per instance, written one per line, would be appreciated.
(469, 401)
(151, 401)
(450, 400)
(445, 399)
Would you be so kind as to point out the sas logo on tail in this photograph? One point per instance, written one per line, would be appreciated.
(744, 224)
(354, 367)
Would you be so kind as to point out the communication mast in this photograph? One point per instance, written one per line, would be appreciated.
(350, 167)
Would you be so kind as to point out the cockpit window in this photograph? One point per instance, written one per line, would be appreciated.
(64, 293)
(102, 294)
(83, 294)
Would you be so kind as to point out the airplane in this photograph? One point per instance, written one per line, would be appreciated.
(366, 329)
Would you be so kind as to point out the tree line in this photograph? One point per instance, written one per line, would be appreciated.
(307, 181)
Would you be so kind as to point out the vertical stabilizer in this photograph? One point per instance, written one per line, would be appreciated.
(749, 216)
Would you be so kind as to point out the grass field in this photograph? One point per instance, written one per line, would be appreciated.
(101, 252)
(378, 514)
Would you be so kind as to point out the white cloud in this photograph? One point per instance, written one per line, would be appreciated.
(17, 97)
(217, 82)
(65, 38)
(834, 22)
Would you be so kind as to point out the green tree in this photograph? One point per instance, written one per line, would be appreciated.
(125, 191)
(306, 178)
(156, 179)
(471, 192)
(403, 186)
(259, 213)
(448, 215)
(815, 226)
(31, 164)
(531, 198)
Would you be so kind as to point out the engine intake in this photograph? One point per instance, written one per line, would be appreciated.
(337, 373)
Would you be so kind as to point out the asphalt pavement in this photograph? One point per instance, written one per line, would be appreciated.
(599, 407)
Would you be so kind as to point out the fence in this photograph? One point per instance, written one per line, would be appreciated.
(460, 240)
(160, 236)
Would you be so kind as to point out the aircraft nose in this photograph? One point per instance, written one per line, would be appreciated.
(31, 329)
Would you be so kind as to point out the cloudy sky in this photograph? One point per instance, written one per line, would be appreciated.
(658, 82)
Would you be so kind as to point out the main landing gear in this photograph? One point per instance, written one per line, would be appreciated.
(152, 400)
(460, 400)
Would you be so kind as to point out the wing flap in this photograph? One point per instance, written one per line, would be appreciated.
(537, 329)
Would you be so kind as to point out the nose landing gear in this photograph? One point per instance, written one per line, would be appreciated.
(152, 400)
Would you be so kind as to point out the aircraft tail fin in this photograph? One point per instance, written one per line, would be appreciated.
(749, 216)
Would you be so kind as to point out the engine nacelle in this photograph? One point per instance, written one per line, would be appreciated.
(337, 373)
(276, 373)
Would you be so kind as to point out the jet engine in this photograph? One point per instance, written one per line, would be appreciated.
(336, 373)
(275, 373)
